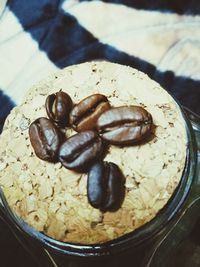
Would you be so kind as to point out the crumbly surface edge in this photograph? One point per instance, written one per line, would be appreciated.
(53, 199)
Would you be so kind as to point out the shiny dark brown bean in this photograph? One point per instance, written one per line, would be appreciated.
(81, 150)
(58, 107)
(125, 125)
(84, 115)
(45, 138)
(105, 186)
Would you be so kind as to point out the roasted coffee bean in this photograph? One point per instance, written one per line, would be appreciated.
(125, 125)
(105, 186)
(79, 151)
(84, 115)
(45, 138)
(58, 107)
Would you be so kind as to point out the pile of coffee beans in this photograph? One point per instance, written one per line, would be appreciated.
(97, 125)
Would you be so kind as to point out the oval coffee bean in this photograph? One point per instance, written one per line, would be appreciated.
(79, 151)
(58, 107)
(84, 115)
(45, 138)
(125, 125)
(105, 186)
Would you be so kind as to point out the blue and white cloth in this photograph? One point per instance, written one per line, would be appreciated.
(161, 38)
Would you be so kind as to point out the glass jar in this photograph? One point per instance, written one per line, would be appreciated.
(188, 220)
(142, 247)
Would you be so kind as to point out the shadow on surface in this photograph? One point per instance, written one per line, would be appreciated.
(187, 253)
(12, 254)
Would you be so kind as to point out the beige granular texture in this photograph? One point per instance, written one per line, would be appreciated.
(53, 199)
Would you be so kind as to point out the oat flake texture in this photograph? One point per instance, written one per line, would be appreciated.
(53, 199)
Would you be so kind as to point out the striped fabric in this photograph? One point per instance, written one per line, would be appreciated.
(161, 38)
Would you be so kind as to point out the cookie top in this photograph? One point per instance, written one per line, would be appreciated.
(52, 198)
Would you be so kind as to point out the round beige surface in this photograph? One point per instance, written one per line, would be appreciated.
(53, 199)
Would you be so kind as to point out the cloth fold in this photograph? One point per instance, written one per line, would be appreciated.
(40, 36)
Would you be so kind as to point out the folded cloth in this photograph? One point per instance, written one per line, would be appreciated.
(2, 6)
(40, 36)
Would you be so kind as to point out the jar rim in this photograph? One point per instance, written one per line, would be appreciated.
(135, 237)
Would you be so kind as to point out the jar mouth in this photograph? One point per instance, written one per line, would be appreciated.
(132, 239)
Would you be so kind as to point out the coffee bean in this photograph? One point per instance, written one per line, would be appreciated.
(45, 138)
(79, 151)
(58, 107)
(105, 186)
(125, 125)
(85, 114)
